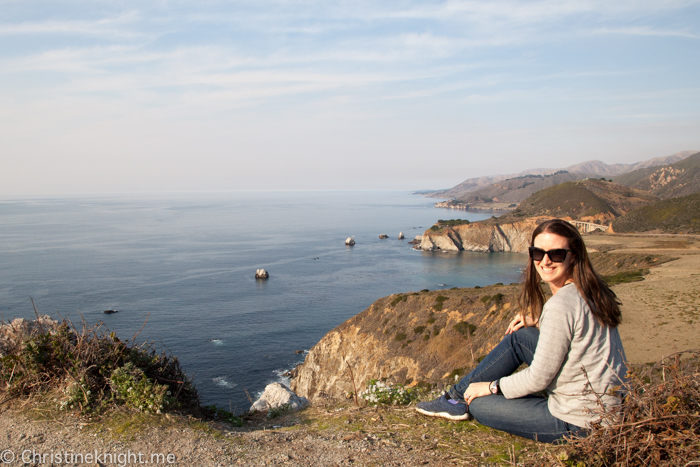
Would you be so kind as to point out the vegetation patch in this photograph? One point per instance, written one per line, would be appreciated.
(399, 298)
(464, 328)
(439, 300)
(90, 368)
(419, 329)
(675, 215)
(380, 393)
(656, 425)
(625, 277)
(497, 299)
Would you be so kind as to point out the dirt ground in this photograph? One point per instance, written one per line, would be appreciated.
(660, 313)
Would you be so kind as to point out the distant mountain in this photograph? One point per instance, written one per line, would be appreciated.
(667, 180)
(675, 215)
(514, 190)
(589, 200)
(592, 168)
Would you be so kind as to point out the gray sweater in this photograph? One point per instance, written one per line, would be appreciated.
(570, 341)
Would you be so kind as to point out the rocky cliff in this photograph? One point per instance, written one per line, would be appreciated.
(426, 338)
(481, 236)
(413, 338)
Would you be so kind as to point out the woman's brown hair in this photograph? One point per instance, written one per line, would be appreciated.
(602, 301)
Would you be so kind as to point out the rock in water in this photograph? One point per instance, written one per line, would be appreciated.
(401, 236)
(350, 241)
(277, 395)
(261, 274)
(383, 236)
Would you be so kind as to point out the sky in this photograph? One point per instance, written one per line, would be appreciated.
(147, 96)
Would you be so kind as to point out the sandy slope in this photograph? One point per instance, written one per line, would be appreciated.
(661, 314)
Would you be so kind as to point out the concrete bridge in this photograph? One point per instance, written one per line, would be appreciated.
(585, 227)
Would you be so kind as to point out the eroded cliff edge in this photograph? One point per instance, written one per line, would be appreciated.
(481, 236)
(428, 337)
(413, 338)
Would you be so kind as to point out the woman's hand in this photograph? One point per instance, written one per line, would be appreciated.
(475, 390)
(518, 322)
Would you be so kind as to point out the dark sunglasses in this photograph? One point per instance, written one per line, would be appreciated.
(557, 255)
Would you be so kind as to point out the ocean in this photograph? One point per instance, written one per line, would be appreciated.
(186, 262)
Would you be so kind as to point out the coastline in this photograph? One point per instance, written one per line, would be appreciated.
(659, 313)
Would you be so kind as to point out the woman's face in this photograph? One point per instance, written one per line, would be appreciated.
(555, 274)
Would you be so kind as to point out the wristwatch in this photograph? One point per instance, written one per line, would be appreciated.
(494, 387)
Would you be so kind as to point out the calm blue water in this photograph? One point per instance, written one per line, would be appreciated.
(188, 261)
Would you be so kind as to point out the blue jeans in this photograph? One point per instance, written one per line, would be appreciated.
(528, 416)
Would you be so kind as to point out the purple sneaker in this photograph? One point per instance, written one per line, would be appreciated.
(445, 407)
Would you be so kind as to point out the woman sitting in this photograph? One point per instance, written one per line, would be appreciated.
(571, 344)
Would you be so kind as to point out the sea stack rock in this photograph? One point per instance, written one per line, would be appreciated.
(383, 236)
(401, 236)
(278, 395)
(350, 241)
(261, 274)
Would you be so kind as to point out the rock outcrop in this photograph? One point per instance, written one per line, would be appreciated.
(481, 236)
(277, 395)
(414, 338)
(261, 274)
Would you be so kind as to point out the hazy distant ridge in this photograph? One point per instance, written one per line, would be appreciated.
(593, 167)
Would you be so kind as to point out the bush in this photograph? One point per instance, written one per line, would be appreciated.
(464, 328)
(400, 336)
(439, 300)
(399, 298)
(91, 368)
(225, 415)
(131, 386)
(419, 329)
(379, 393)
(656, 425)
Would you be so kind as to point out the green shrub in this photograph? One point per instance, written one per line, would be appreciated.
(278, 411)
(399, 298)
(400, 336)
(131, 386)
(464, 328)
(439, 300)
(626, 276)
(379, 393)
(92, 368)
(419, 329)
(226, 416)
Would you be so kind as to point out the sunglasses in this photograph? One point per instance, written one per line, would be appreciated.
(557, 255)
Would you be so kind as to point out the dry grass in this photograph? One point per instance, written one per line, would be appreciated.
(657, 425)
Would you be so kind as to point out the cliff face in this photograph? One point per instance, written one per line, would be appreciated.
(407, 338)
(480, 236)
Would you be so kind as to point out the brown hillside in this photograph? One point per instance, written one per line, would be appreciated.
(426, 338)
(667, 181)
(589, 200)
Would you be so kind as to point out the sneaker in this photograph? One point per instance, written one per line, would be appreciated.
(445, 407)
